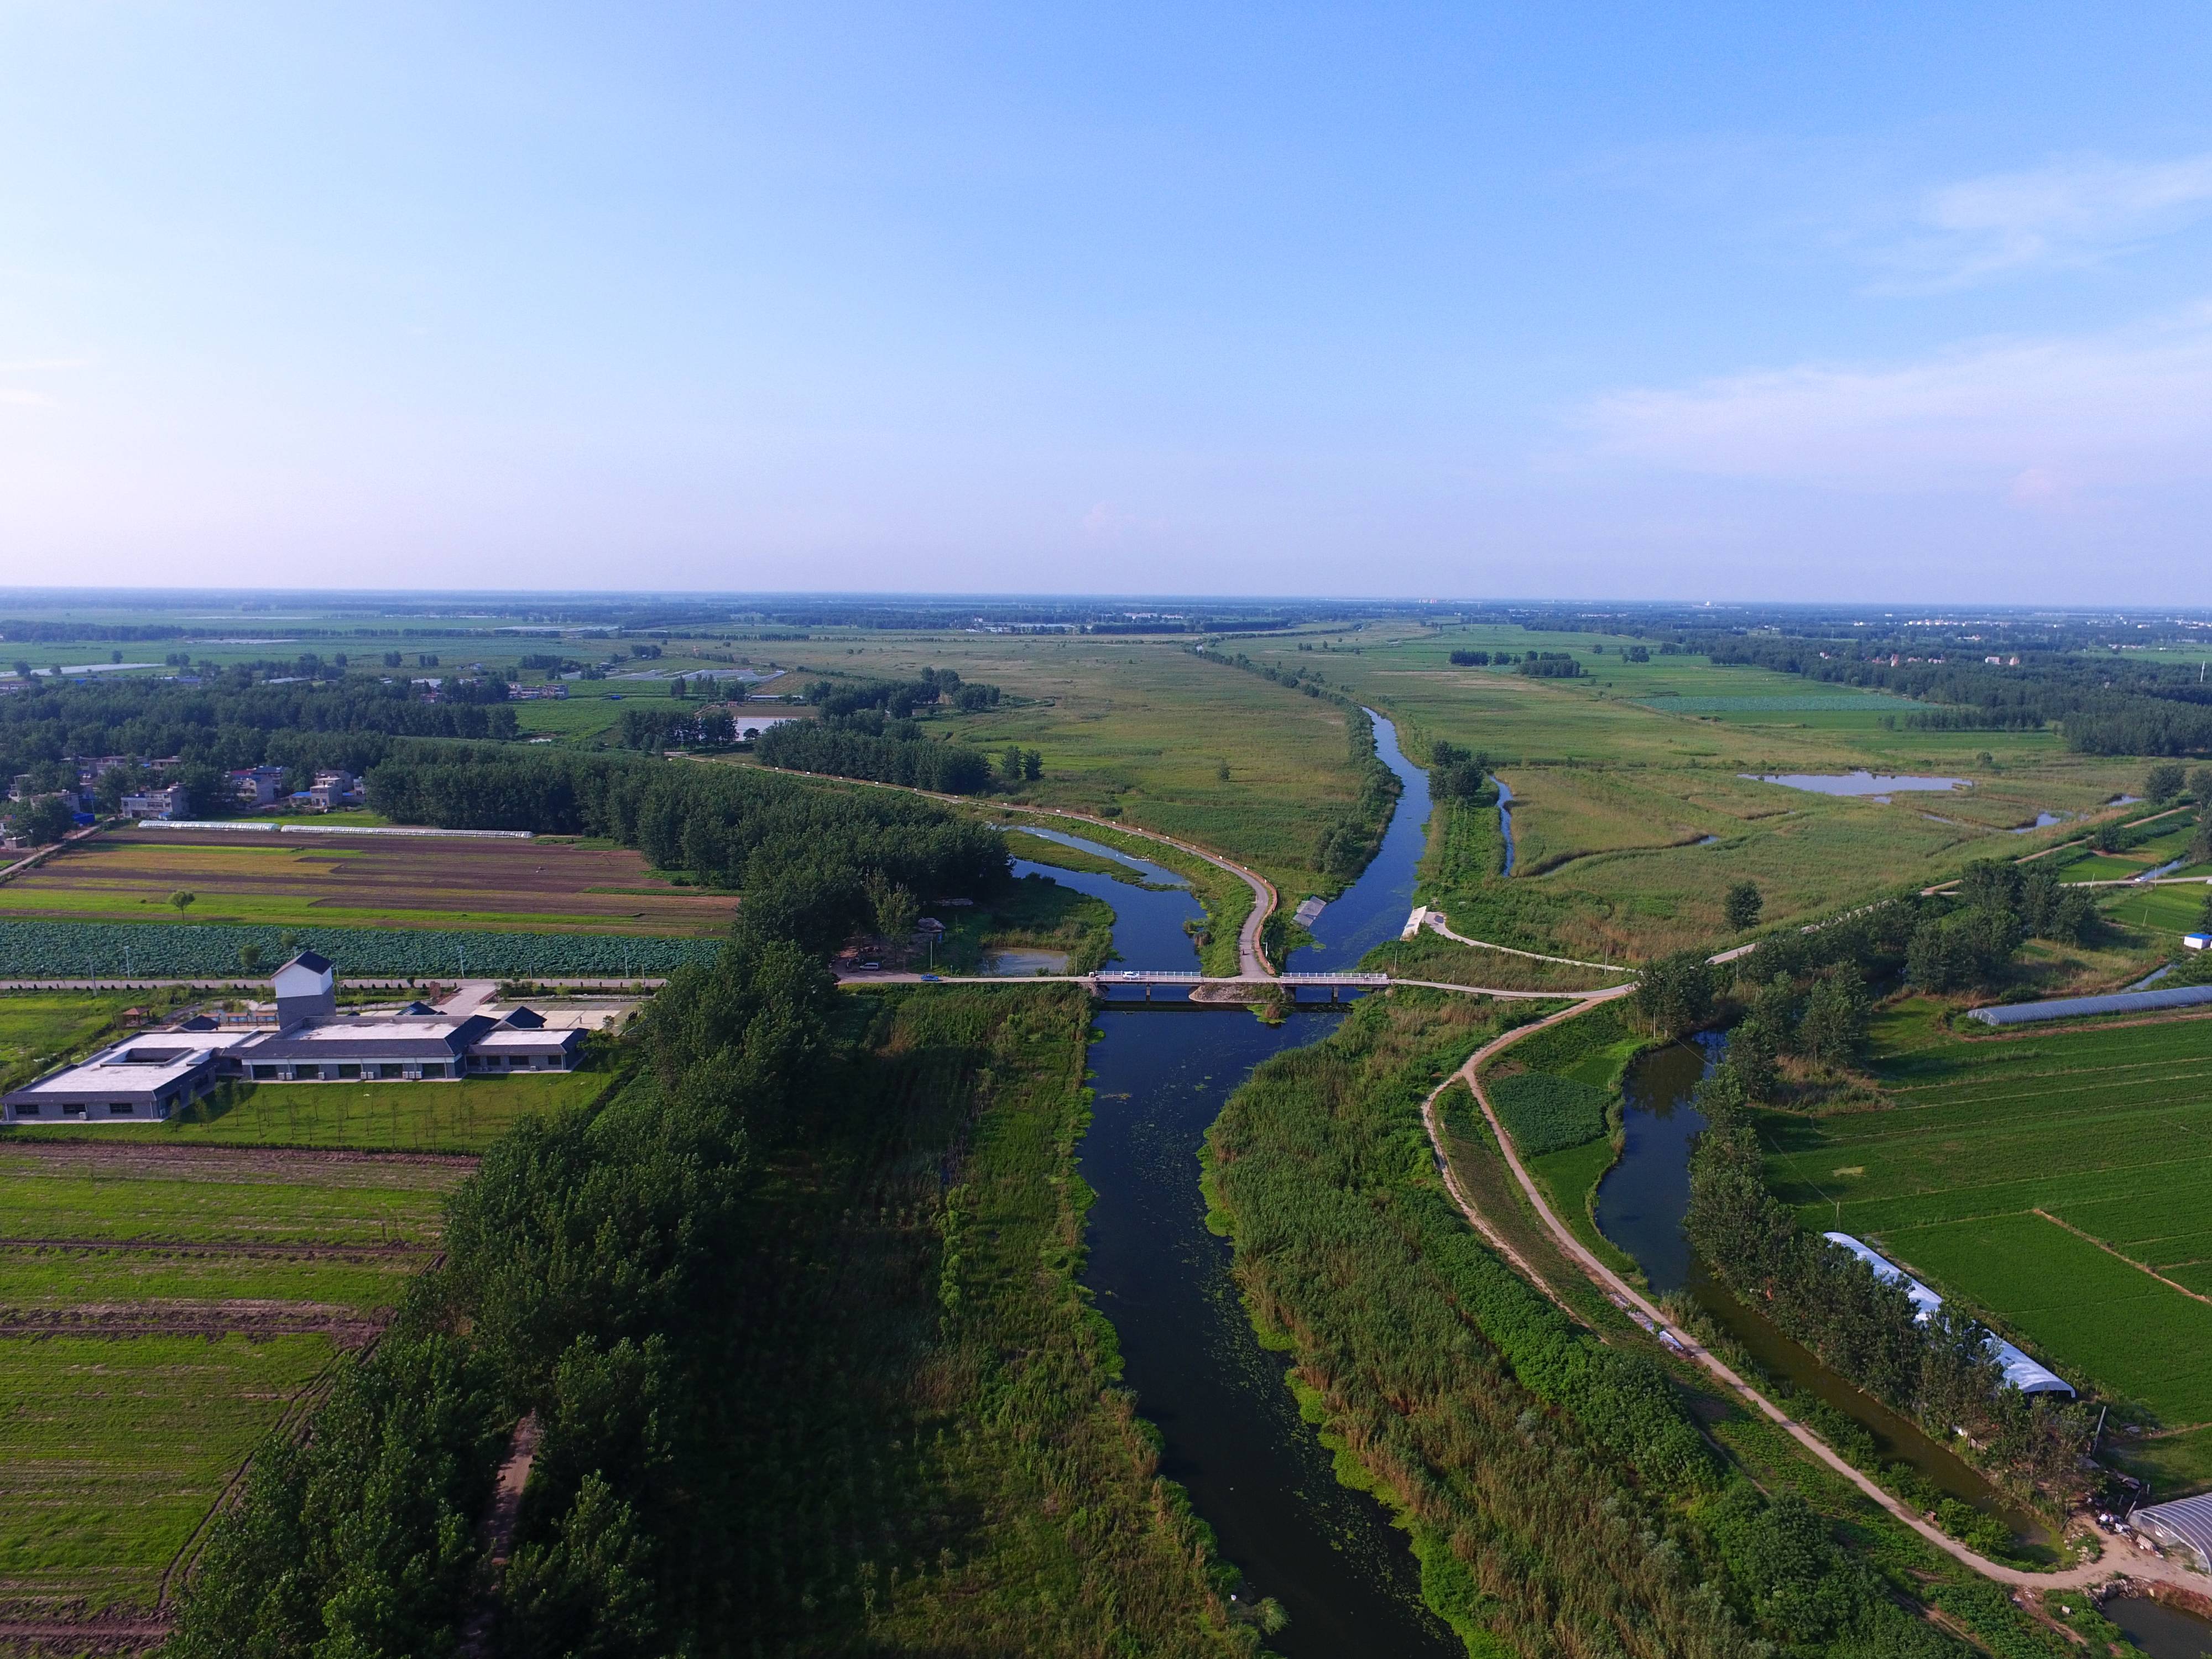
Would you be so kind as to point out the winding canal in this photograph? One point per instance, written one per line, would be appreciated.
(1233, 1438)
(1641, 1203)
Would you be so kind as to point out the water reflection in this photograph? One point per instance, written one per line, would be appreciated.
(1643, 1199)
(1374, 907)
(1876, 784)
(1255, 1471)
(2161, 1632)
(1148, 922)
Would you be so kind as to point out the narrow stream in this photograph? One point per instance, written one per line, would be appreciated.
(1641, 1202)
(1373, 910)
(1256, 1472)
(1505, 820)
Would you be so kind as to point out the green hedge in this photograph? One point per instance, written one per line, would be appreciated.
(72, 950)
(1547, 1114)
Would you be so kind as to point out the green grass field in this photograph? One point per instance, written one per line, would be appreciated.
(116, 1447)
(38, 1029)
(432, 1117)
(1145, 727)
(1621, 776)
(2053, 1180)
(117, 1444)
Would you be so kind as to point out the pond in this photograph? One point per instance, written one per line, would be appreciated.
(2161, 1632)
(1148, 922)
(1875, 784)
(2043, 821)
(1641, 1203)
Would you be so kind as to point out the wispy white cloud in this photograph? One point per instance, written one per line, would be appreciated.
(2037, 421)
(2070, 213)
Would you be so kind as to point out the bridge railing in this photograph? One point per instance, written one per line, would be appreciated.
(1174, 976)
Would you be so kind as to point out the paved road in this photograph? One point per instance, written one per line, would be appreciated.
(2118, 1561)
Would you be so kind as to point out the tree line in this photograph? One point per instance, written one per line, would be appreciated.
(210, 730)
(1938, 1369)
(2107, 704)
(1806, 994)
(591, 1275)
(803, 855)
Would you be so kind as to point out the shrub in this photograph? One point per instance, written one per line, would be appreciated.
(1547, 1114)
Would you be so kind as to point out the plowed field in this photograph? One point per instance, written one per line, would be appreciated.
(369, 880)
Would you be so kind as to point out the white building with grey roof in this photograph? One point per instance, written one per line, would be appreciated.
(156, 1073)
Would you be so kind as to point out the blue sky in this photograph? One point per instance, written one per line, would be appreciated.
(1726, 300)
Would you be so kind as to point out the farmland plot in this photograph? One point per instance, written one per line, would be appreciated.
(2055, 1180)
(245, 878)
(161, 1309)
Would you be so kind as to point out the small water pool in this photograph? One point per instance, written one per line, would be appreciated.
(1875, 784)
(1159, 875)
(2161, 1632)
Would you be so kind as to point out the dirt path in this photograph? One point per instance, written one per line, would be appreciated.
(2133, 1564)
(1434, 920)
(107, 1634)
(497, 1537)
(257, 1317)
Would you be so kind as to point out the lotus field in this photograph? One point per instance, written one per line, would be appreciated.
(70, 950)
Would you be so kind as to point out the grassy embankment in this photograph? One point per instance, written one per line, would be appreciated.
(978, 1484)
(2054, 1180)
(1618, 777)
(1555, 1504)
(194, 1304)
(1578, 1063)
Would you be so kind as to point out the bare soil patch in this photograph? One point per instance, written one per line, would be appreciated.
(348, 1327)
(129, 873)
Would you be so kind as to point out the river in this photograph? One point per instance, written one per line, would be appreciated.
(1255, 1472)
(1372, 911)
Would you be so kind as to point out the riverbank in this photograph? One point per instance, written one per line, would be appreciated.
(984, 1449)
(1438, 1371)
(1689, 1349)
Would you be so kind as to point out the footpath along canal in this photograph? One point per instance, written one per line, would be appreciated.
(1233, 1438)
(1641, 1202)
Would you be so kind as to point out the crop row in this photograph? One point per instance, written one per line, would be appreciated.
(65, 949)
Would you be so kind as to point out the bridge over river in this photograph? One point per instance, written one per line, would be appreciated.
(1108, 981)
